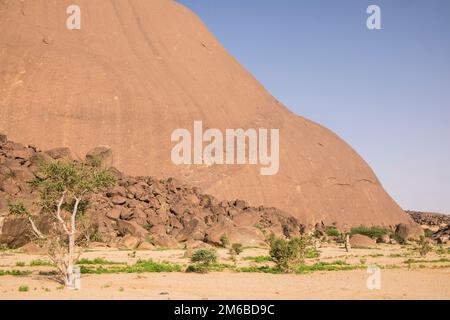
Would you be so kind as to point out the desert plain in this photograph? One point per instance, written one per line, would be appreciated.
(336, 275)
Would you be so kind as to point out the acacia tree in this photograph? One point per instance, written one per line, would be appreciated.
(287, 253)
(63, 188)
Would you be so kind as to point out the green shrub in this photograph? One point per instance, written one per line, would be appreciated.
(20, 264)
(203, 259)
(23, 289)
(372, 232)
(332, 231)
(224, 241)
(138, 267)
(286, 253)
(424, 246)
(259, 259)
(237, 248)
(440, 250)
(37, 263)
(96, 261)
(259, 269)
(428, 233)
(328, 266)
(312, 253)
(18, 273)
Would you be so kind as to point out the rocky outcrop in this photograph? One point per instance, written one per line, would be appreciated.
(138, 210)
(437, 223)
(405, 232)
(145, 68)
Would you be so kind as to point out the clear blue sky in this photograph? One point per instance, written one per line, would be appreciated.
(386, 92)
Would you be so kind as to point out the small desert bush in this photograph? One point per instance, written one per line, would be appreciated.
(258, 259)
(259, 269)
(203, 260)
(428, 233)
(20, 264)
(302, 268)
(224, 241)
(96, 261)
(312, 252)
(332, 231)
(440, 250)
(38, 263)
(18, 273)
(424, 246)
(139, 267)
(286, 253)
(237, 248)
(328, 266)
(409, 261)
(372, 232)
(23, 289)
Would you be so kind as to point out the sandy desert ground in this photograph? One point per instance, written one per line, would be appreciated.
(425, 278)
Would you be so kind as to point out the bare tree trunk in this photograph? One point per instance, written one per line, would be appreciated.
(71, 258)
(348, 246)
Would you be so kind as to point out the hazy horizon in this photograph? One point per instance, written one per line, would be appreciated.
(385, 92)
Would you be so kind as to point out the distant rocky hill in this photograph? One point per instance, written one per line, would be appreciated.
(429, 218)
(437, 223)
(138, 211)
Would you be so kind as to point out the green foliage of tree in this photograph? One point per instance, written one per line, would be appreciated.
(237, 248)
(203, 259)
(224, 241)
(65, 186)
(287, 253)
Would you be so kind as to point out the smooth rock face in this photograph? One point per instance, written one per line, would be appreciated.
(139, 69)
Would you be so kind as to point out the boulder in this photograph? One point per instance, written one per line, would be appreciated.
(101, 156)
(240, 204)
(178, 209)
(15, 232)
(21, 154)
(118, 200)
(146, 246)
(244, 235)
(129, 242)
(32, 248)
(362, 241)
(114, 213)
(165, 241)
(246, 219)
(40, 157)
(9, 187)
(405, 232)
(3, 138)
(126, 214)
(60, 153)
(131, 228)
(193, 230)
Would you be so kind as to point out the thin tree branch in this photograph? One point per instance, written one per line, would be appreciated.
(58, 213)
(38, 233)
